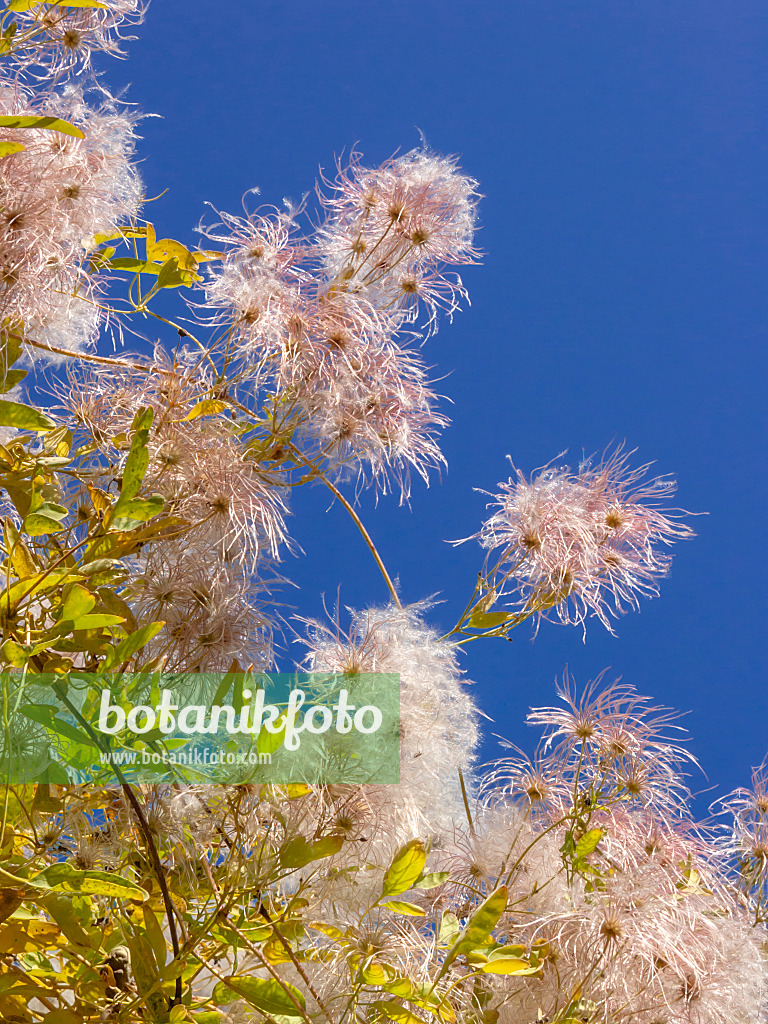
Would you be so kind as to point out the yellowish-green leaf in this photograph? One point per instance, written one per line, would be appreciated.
(407, 865)
(478, 928)
(40, 583)
(54, 124)
(28, 5)
(377, 974)
(403, 907)
(7, 148)
(588, 842)
(46, 518)
(487, 620)
(432, 881)
(398, 1013)
(264, 994)
(134, 512)
(19, 937)
(21, 558)
(78, 601)
(65, 878)
(166, 249)
(12, 377)
(449, 928)
(24, 417)
(510, 965)
(209, 407)
(128, 647)
(45, 714)
(297, 852)
(15, 654)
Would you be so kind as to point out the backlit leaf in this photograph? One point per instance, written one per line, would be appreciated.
(65, 878)
(588, 842)
(209, 407)
(407, 865)
(54, 124)
(403, 907)
(24, 417)
(262, 993)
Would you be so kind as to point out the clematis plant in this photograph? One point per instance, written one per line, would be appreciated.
(146, 487)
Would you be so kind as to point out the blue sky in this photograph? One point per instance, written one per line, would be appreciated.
(623, 155)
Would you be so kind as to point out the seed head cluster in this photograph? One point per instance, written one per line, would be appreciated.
(574, 544)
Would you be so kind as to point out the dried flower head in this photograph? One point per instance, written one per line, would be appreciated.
(579, 543)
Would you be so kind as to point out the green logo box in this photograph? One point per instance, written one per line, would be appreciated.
(199, 728)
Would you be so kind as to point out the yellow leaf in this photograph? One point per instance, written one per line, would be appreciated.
(405, 868)
(24, 937)
(166, 248)
(293, 790)
(209, 407)
(510, 965)
(403, 907)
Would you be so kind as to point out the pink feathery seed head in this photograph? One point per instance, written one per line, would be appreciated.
(420, 198)
(390, 231)
(749, 806)
(538, 783)
(52, 41)
(369, 411)
(610, 722)
(580, 543)
(198, 466)
(262, 239)
(213, 610)
(55, 196)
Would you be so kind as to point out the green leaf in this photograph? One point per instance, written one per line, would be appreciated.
(487, 620)
(45, 714)
(128, 647)
(262, 993)
(298, 851)
(588, 842)
(47, 518)
(478, 928)
(12, 377)
(24, 417)
(407, 865)
(7, 148)
(398, 1013)
(54, 124)
(432, 881)
(403, 907)
(65, 878)
(136, 511)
